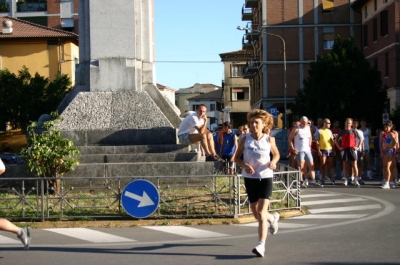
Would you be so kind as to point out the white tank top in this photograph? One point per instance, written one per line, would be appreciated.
(302, 139)
(257, 154)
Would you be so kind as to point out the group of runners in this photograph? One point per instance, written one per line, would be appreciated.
(317, 149)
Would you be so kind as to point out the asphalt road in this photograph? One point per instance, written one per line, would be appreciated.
(346, 225)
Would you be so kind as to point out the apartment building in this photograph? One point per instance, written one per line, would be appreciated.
(285, 37)
(381, 42)
(61, 14)
(182, 95)
(236, 86)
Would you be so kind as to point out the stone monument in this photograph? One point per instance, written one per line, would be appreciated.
(115, 100)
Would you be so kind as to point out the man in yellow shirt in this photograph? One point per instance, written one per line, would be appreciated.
(326, 152)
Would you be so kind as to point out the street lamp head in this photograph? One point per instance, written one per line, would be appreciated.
(242, 28)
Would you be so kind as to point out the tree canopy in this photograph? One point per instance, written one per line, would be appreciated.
(25, 97)
(342, 84)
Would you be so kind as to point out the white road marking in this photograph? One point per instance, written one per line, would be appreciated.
(346, 209)
(186, 231)
(6, 240)
(89, 235)
(330, 216)
(281, 225)
(319, 195)
(331, 201)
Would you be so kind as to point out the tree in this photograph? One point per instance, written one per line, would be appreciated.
(48, 154)
(342, 84)
(25, 98)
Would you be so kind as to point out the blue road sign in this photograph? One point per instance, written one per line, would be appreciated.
(140, 198)
(273, 112)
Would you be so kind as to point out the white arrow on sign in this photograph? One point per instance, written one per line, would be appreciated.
(144, 200)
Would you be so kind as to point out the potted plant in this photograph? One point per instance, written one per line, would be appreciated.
(49, 154)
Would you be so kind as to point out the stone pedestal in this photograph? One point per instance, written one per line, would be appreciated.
(115, 100)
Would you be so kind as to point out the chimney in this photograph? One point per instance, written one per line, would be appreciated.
(7, 27)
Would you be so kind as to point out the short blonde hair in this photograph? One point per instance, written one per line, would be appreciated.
(266, 118)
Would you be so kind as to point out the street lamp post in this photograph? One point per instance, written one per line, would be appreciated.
(284, 68)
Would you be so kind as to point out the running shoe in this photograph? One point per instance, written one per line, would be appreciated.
(385, 186)
(273, 228)
(356, 182)
(25, 237)
(259, 250)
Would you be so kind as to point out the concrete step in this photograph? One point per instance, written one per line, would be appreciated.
(130, 149)
(125, 169)
(137, 157)
(142, 169)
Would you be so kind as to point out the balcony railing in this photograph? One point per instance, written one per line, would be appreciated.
(247, 44)
(247, 14)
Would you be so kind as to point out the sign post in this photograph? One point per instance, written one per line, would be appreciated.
(385, 117)
(140, 198)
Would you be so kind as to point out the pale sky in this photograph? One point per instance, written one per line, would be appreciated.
(190, 35)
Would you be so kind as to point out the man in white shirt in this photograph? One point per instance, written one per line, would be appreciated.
(300, 144)
(193, 130)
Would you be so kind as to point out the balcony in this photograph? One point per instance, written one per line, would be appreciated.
(252, 66)
(251, 69)
(247, 14)
(247, 44)
(252, 32)
(251, 3)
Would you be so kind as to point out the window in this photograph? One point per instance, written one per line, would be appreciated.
(240, 93)
(237, 70)
(375, 4)
(384, 23)
(67, 24)
(386, 64)
(374, 29)
(365, 35)
(365, 11)
(329, 39)
(195, 107)
(328, 6)
(212, 107)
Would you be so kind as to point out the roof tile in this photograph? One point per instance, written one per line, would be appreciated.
(25, 29)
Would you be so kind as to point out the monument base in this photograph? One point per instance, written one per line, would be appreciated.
(116, 118)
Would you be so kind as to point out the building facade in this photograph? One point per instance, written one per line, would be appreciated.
(236, 87)
(54, 14)
(182, 95)
(44, 50)
(381, 42)
(285, 37)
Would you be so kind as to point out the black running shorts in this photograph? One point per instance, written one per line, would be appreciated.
(258, 189)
